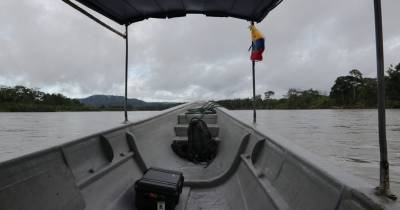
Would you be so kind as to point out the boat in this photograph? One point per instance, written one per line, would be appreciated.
(252, 170)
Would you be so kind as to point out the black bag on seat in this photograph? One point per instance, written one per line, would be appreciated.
(158, 187)
(180, 148)
(200, 147)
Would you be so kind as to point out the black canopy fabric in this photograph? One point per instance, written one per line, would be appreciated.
(130, 11)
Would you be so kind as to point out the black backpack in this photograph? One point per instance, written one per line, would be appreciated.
(200, 147)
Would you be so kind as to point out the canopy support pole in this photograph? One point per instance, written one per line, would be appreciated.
(125, 36)
(384, 183)
(75, 6)
(254, 87)
(126, 75)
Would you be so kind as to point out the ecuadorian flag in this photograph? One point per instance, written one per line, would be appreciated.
(257, 45)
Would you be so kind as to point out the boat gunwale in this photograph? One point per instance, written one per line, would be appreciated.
(321, 166)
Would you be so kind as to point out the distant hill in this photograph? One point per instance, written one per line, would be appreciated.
(109, 101)
(116, 102)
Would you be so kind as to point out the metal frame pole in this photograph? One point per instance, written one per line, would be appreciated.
(254, 87)
(94, 18)
(125, 36)
(126, 74)
(254, 93)
(384, 183)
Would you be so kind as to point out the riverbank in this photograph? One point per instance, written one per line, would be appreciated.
(22, 107)
(83, 108)
(23, 99)
(319, 102)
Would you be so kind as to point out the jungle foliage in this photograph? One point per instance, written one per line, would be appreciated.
(349, 91)
(23, 99)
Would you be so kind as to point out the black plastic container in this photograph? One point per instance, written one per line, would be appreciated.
(158, 189)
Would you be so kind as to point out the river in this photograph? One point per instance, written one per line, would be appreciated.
(348, 138)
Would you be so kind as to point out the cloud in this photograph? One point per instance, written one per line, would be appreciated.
(49, 45)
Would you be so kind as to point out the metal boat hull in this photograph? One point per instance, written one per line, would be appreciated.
(251, 171)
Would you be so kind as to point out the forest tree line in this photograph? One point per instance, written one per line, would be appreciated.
(349, 91)
(23, 99)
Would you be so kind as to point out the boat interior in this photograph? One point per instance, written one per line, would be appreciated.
(251, 171)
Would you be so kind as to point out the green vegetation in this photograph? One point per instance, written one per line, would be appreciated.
(22, 99)
(295, 99)
(350, 91)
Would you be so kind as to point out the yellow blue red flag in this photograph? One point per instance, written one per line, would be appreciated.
(257, 44)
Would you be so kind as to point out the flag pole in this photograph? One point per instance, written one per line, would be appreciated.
(126, 76)
(254, 87)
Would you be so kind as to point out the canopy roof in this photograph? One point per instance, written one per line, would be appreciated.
(130, 11)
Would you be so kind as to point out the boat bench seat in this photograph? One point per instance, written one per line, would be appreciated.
(105, 168)
(207, 118)
(182, 130)
(185, 139)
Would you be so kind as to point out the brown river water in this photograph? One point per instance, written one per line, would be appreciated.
(347, 138)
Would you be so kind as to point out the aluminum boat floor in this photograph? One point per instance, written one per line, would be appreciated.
(155, 147)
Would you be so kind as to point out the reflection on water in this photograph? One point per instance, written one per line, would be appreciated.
(349, 138)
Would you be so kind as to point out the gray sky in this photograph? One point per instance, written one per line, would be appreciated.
(48, 45)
